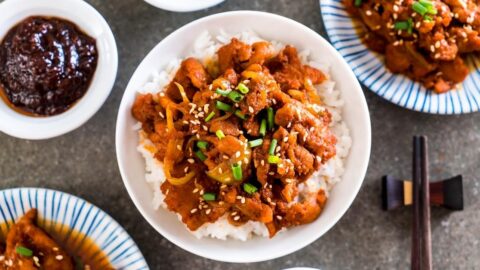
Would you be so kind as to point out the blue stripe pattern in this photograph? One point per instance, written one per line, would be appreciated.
(343, 32)
(78, 215)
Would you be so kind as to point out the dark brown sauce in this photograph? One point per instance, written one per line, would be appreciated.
(46, 65)
(76, 244)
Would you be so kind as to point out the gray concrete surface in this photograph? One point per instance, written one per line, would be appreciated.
(83, 163)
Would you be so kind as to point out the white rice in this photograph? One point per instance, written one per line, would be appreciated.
(330, 173)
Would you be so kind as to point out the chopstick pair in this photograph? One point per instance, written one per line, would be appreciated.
(421, 255)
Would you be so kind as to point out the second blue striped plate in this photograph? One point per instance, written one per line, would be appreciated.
(369, 68)
(73, 215)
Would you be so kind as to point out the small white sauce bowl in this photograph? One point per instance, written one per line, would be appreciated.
(93, 24)
(183, 5)
(355, 114)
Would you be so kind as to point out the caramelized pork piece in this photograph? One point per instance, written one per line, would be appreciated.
(46, 253)
(192, 76)
(289, 71)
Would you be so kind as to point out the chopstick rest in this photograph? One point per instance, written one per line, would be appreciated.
(446, 193)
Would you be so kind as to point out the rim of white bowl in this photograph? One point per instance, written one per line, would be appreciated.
(362, 165)
(91, 22)
(183, 5)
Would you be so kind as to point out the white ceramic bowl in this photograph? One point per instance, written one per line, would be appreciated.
(132, 166)
(90, 21)
(183, 5)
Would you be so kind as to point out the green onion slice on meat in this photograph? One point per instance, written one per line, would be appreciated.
(237, 171)
(26, 252)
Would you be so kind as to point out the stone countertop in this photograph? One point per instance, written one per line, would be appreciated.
(83, 163)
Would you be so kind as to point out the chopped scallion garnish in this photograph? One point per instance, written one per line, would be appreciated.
(222, 92)
(405, 25)
(210, 116)
(419, 8)
(220, 134)
(237, 171)
(249, 188)
(255, 143)
(242, 88)
(209, 196)
(263, 127)
(273, 159)
(235, 96)
(240, 115)
(273, 145)
(223, 106)
(202, 145)
(270, 118)
(358, 3)
(24, 251)
(200, 155)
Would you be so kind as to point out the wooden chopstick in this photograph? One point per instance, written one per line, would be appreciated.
(416, 231)
(425, 209)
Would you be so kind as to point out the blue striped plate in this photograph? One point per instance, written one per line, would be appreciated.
(63, 212)
(368, 66)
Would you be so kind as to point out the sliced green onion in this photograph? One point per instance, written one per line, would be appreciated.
(426, 3)
(209, 196)
(263, 127)
(249, 188)
(237, 172)
(210, 116)
(427, 18)
(405, 25)
(255, 143)
(419, 8)
(240, 115)
(220, 134)
(202, 145)
(270, 118)
(24, 251)
(429, 6)
(200, 155)
(235, 96)
(358, 3)
(273, 159)
(242, 88)
(273, 145)
(223, 106)
(222, 92)
(401, 25)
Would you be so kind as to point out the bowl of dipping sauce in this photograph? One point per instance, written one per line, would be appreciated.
(58, 63)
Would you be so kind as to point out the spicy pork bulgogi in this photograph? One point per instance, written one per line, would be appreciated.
(238, 136)
(29, 247)
(423, 39)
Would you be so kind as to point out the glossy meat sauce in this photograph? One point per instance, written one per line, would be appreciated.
(176, 120)
(46, 65)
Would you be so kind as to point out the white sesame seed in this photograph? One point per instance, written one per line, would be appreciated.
(205, 128)
(285, 139)
(208, 211)
(368, 13)
(262, 162)
(59, 257)
(193, 210)
(191, 160)
(179, 147)
(279, 217)
(55, 248)
(237, 154)
(195, 190)
(161, 114)
(437, 44)
(245, 160)
(432, 48)
(220, 170)
(234, 213)
(236, 218)
(239, 197)
(250, 109)
(186, 169)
